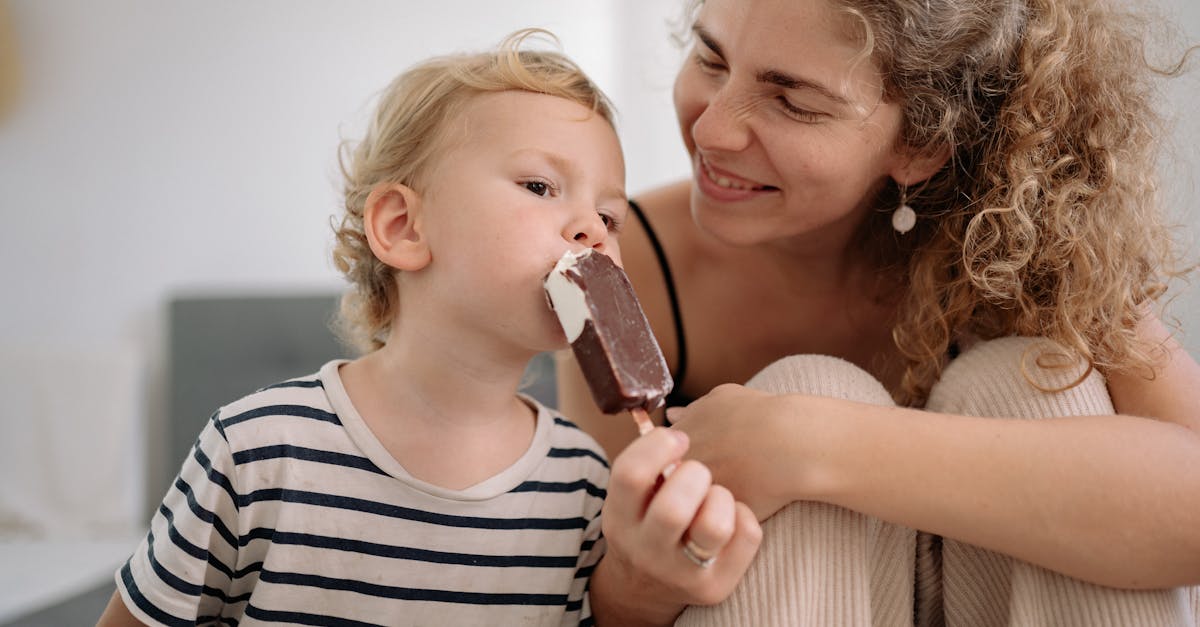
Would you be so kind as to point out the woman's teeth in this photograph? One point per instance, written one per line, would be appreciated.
(728, 184)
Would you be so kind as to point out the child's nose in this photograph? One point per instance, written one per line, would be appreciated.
(589, 230)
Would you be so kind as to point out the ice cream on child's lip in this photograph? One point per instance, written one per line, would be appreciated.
(608, 332)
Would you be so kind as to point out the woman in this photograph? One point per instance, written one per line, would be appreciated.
(915, 189)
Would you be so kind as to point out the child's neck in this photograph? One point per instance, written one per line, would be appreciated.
(450, 415)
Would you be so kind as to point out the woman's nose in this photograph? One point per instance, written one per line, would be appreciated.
(723, 123)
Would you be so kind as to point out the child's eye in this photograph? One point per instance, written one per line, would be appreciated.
(611, 222)
(537, 187)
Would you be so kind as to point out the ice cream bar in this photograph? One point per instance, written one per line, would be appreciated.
(609, 334)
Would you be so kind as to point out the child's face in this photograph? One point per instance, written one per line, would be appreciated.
(525, 178)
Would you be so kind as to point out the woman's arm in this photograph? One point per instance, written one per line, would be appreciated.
(1171, 395)
(1114, 500)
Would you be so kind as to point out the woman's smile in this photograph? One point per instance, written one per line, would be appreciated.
(723, 185)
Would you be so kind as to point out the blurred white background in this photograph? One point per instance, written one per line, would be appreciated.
(158, 148)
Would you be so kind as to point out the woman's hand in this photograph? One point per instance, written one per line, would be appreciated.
(648, 520)
(762, 446)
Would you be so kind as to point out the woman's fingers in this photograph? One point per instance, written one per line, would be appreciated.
(637, 471)
(681, 532)
(718, 580)
(747, 535)
(714, 524)
(677, 502)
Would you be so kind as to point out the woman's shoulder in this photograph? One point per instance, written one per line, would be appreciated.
(653, 252)
(662, 235)
(667, 225)
(668, 204)
(670, 197)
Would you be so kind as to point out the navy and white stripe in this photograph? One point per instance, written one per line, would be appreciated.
(288, 510)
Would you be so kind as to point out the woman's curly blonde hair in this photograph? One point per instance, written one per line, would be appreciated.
(406, 134)
(1045, 221)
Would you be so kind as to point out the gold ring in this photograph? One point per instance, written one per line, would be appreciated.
(699, 556)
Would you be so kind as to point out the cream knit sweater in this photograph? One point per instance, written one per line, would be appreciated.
(822, 565)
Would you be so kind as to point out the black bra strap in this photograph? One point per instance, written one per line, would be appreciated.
(681, 368)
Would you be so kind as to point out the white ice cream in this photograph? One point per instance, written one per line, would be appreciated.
(566, 297)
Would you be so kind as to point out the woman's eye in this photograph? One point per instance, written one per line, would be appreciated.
(798, 113)
(537, 187)
(707, 65)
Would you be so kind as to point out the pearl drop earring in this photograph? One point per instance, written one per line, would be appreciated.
(904, 218)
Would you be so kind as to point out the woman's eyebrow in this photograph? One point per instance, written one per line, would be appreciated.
(787, 81)
(706, 37)
(772, 77)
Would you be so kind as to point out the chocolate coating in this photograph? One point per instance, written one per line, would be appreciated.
(616, 350)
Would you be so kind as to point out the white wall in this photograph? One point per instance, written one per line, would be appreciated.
(1180, 168)
(160, 147)
(167, 147)
(167, 144)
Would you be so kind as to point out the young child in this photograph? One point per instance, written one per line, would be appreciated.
(415, 485)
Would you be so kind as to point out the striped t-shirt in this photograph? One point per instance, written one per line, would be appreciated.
(290, 510)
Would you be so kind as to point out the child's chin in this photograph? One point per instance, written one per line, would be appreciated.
(558, 338)
(552, 342)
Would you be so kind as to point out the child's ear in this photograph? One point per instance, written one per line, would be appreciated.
(392, 223)
(917, 168)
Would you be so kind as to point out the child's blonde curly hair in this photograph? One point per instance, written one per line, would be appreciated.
(405, 135)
